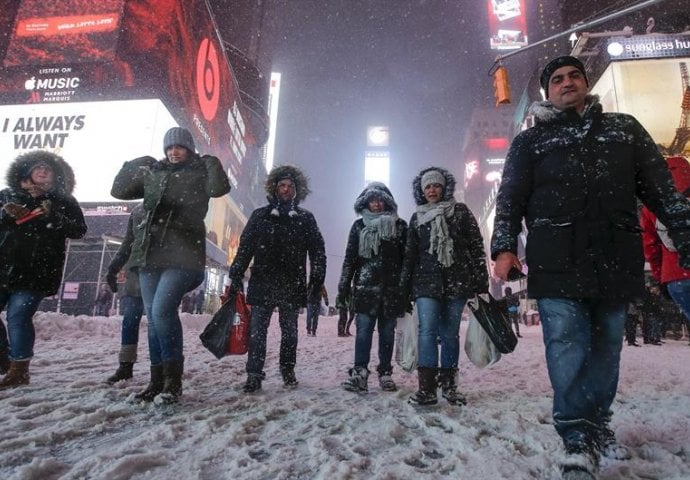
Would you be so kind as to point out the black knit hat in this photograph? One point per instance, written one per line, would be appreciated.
(554, 65)
(178, 136)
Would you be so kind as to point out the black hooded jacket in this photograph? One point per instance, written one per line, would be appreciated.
(576, 180)
(32, 254)
(374, 281)
(278, 239)
(422, 274)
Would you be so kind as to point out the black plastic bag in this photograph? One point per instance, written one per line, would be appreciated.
(494, 320)
(217, 333)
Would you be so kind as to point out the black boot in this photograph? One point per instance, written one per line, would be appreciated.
(449, 388)
(123, 372)
(172, 381)
(289, 378)
(155, 385)
(4, 362)
(253, 383)
(426, 395)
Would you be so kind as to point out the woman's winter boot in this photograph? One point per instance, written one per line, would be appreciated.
(449, 389)
(386, 380)
(128, 355)
(17, 374)
(426, 395)
(155, 385)
(172, 382)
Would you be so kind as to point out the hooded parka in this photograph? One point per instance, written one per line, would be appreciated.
(32, 254)
(176, 199)
(422, 274)
(375, 280)
(575, 180)
(278, 237)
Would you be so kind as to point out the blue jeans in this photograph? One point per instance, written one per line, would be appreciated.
(313, 311)
(680, 293)
(258, 329)
(365, 331)
(132, 310)
(21, 306)
(583, 340)
(162, 291)
(439, 319)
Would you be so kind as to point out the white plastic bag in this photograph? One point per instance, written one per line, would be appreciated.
(406, 333)
(478, 346)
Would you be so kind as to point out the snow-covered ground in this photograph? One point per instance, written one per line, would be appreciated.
(68, 424)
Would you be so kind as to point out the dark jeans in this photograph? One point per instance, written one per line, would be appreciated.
(680, 293)
(132, 311)
(515, 320)
(258, 329)
(313, 311)
(583, 340)
(365, 331)
(21, 306)
(162, 291)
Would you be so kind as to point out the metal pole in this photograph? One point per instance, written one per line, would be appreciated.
(64, 270)
(577, 28)
(100, 272)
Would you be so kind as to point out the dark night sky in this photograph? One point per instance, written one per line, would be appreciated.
(419, 66)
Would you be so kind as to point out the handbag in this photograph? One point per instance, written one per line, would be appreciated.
(494, 320)
(406, 337)
(228, 331)
(478, 345)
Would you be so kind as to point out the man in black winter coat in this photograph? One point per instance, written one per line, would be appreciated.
(278, 237)
(575, 178)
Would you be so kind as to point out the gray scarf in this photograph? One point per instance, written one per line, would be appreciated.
(377, 227)
(440, 241)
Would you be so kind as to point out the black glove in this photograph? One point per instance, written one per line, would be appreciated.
(314, 294)
(111, 280)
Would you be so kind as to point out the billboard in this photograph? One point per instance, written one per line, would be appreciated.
(507, 24)
(376, 166)
(70, 71)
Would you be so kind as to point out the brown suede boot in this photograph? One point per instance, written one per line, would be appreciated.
(18, 374)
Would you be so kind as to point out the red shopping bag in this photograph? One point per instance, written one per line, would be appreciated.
(238, 340)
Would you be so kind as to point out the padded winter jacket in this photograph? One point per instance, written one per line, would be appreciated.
(374, 281)
(279, 245)
(422, 274)
(32, 255)
(576, 180)
(176, 201)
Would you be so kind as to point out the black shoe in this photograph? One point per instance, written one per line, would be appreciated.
(421, 397)
(633, 344)
(253, 383)
(123, 372)
(289, 379)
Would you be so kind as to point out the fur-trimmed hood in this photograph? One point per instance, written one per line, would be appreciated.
(448, 189)
(545, 111)
(375, 189)
(287, 171)
(21, 168)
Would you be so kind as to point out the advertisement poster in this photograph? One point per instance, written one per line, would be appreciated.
(507, 24)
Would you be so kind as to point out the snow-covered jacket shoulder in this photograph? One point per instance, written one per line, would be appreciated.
(576, 180)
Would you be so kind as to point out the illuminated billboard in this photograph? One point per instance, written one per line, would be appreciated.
(507, 24)
(100, 83)
(377, 167)
(655, 92)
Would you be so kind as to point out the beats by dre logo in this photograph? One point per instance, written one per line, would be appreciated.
(207, 79)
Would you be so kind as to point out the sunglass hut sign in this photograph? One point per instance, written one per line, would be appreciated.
(649, 46)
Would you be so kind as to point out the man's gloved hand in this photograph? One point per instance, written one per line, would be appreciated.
(314, 294)
(111, 280)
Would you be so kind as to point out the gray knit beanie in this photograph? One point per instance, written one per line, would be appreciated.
(178, 136)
